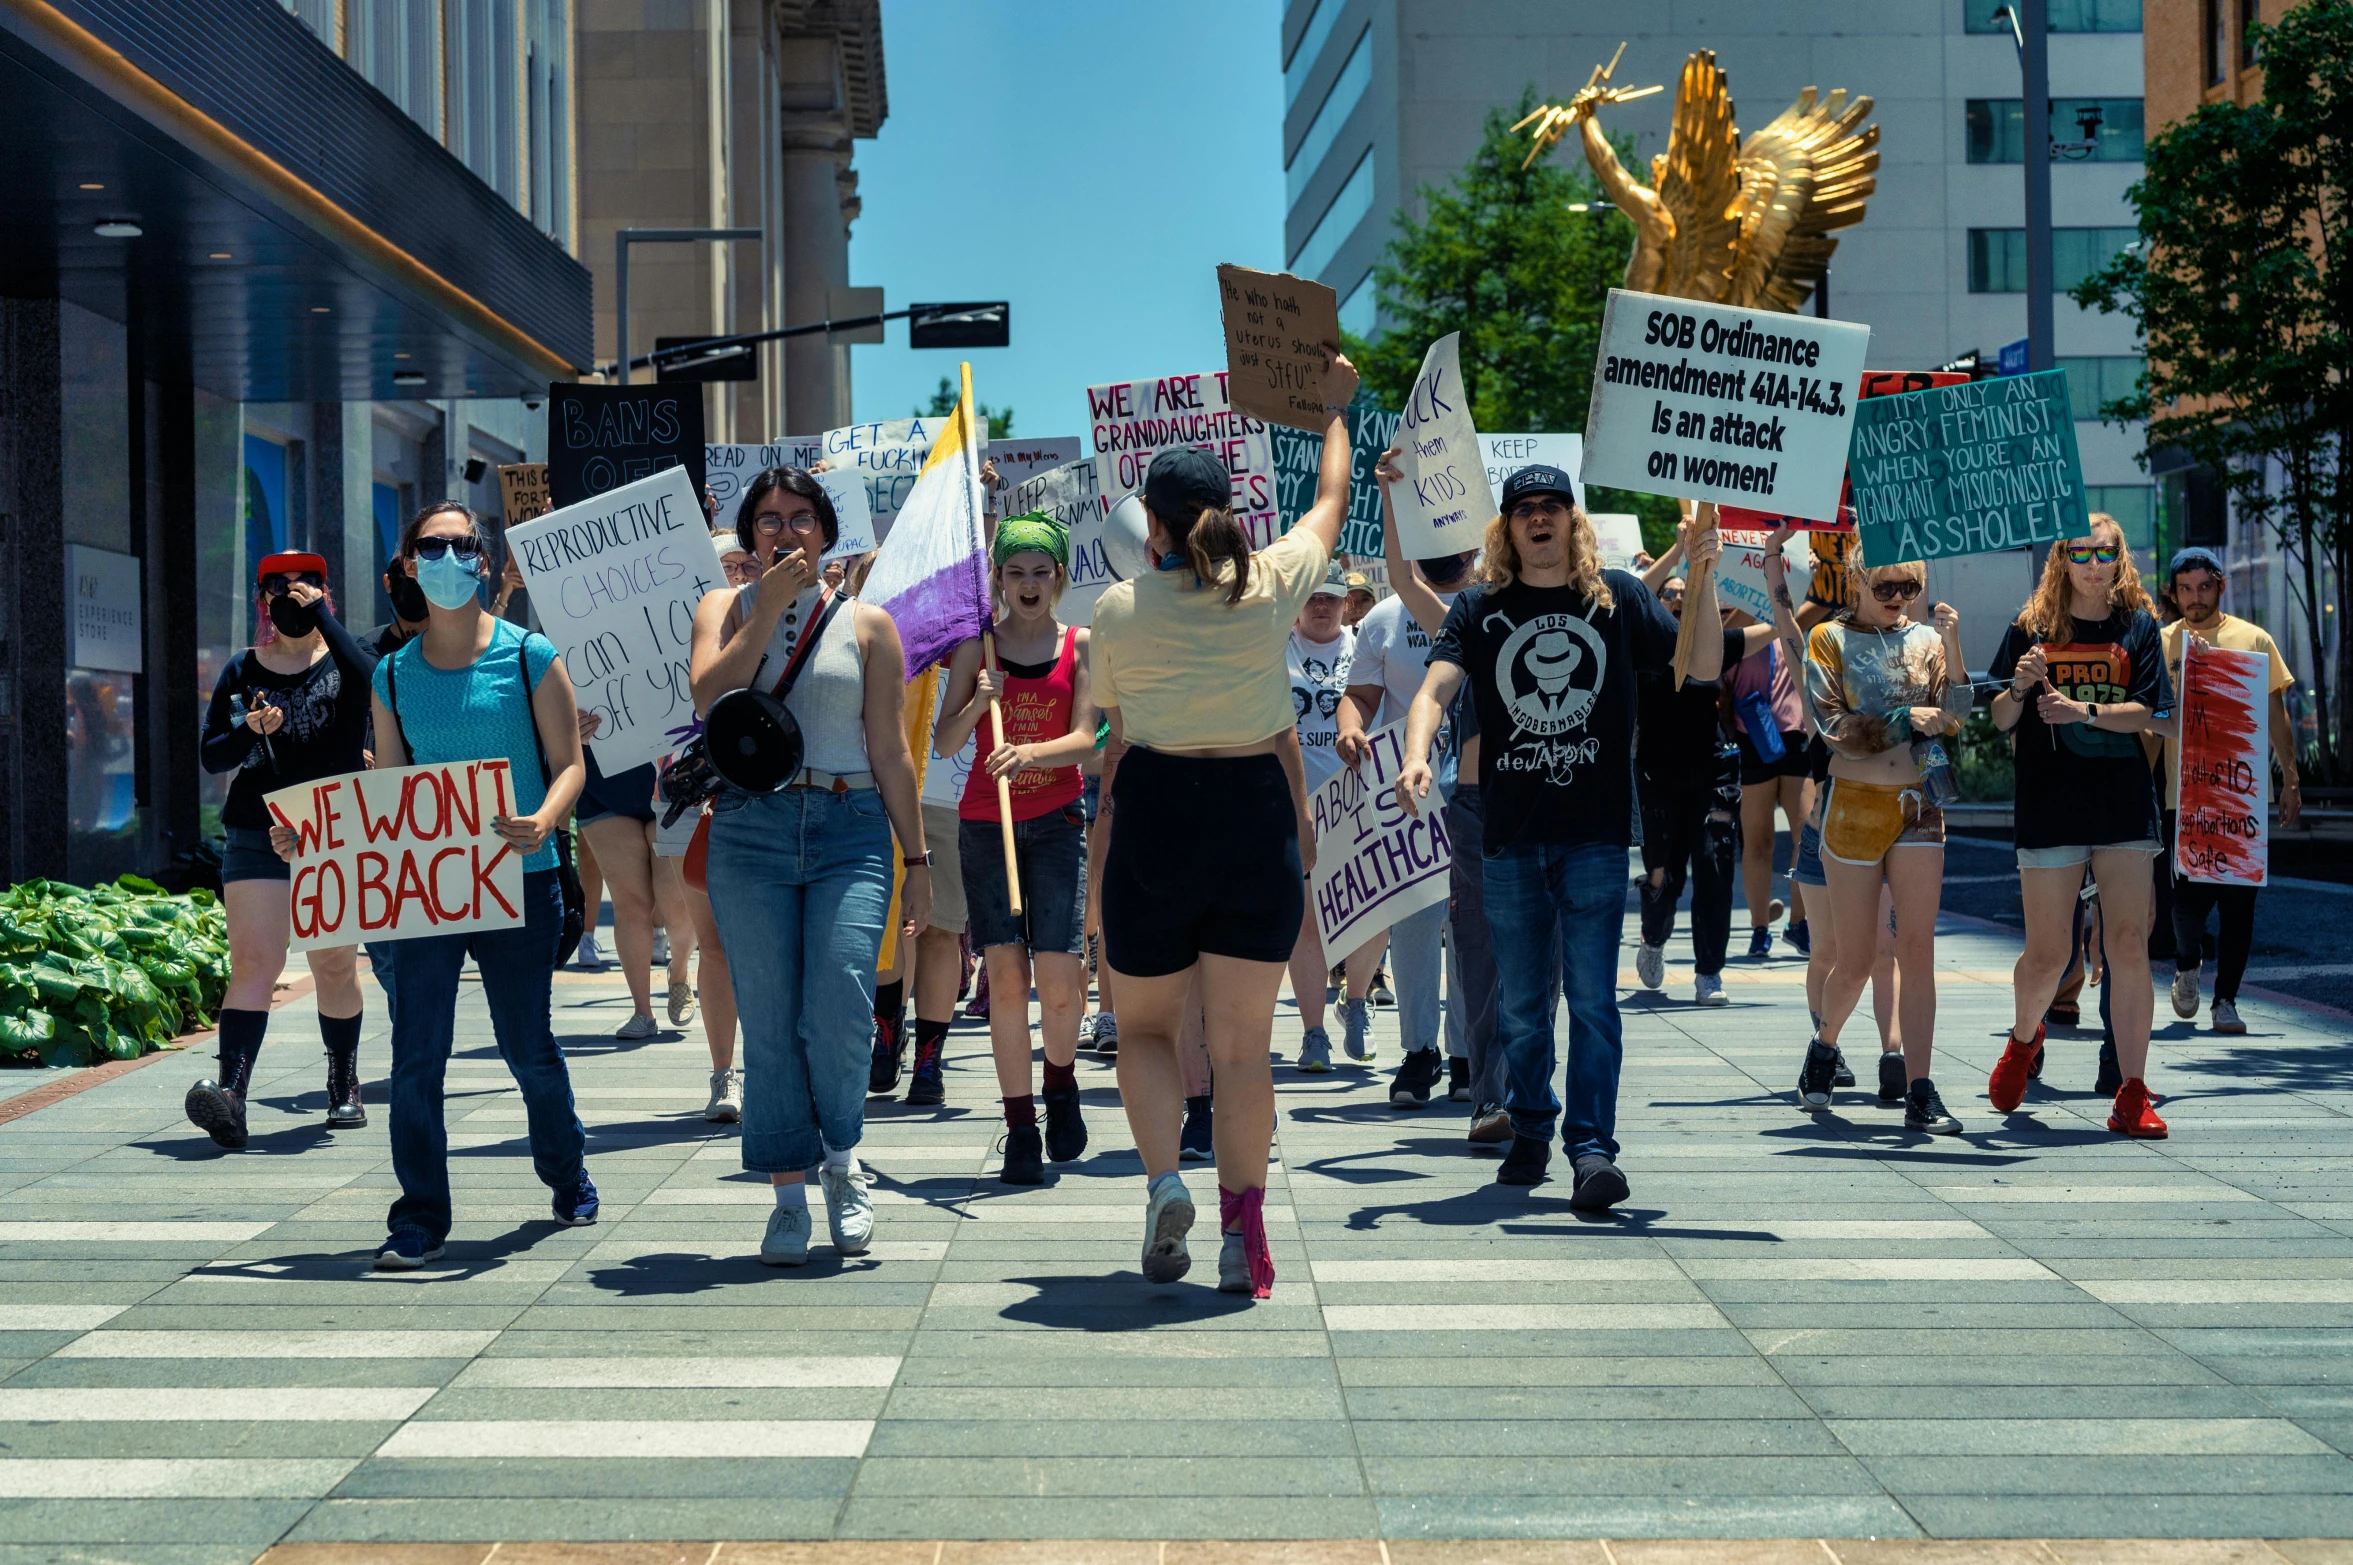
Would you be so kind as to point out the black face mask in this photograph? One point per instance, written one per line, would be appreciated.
(293, 618)
(408, 599)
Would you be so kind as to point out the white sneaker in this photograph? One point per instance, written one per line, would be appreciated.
(2226, 1018)
(726, 1105)
(2185, 994)
(638, 1026)
(681, 1004)
(661, 947)
(1168, 1217)
(849, 1209)
(1650, 965)
(589, 959)
(1708, 989)
(786, 1243)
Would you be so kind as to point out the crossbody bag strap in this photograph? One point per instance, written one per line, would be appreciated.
(392, 702)
(810, 633)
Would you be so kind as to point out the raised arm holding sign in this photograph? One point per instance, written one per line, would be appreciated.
(1277, 327)
(1444, 503)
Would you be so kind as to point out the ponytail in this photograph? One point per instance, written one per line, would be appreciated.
(1211, 540)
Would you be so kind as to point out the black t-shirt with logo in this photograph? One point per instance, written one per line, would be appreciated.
(1552, 679)
(2082, 786)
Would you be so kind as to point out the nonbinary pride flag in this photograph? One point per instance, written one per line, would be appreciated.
(931, 574)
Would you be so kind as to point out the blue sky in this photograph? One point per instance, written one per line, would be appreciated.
(1091, 163)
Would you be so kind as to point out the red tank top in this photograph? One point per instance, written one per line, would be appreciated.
(1035, 712)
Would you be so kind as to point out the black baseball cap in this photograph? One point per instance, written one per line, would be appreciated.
(1182, 481)
(1536, 480)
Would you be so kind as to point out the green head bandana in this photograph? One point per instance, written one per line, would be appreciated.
(1032, 532)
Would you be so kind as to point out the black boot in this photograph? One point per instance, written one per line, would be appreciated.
(890, 1053)
(926, 1088)
(218, 1107)
(1066, 1126)
(345, 1110)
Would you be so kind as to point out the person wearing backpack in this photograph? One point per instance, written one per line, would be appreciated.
(475, 687)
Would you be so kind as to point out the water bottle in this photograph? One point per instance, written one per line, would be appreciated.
(1936, 773)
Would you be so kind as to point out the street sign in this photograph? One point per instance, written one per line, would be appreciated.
(960, 325)
(730, 361)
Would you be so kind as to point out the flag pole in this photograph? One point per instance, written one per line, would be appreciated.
(988, 655)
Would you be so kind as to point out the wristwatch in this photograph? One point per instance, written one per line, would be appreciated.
(918, 861)
(2091, 711)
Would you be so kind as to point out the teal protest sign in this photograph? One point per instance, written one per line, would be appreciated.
(1298, 455)
(1966, 469)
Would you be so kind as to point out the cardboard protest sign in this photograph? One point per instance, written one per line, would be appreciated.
(1507, 454)
(1740, 571)
(1298, 457)
(732, 468)
(1070, 495)
(1132, 421)
(1619, 533)
(402, 852)
(601, 437)
(1444, 504)
(522, 492)
(1016, 460)
(1967, 469)
(1707, 402)
(888, 456)
(616, 580)
(2224, 836)
(1277, 327)
(1374, 863)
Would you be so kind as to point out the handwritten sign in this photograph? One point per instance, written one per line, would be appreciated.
(522, 492)
(888, 456)
(1507, 454)
(1740, 571)
(732, 468)
(1374, 863)
(1133, 421)
(1299, 456)
(1708, 402)
(615, 580)
(1071, 496)
(1967, 469)
(601, 437)
(1016, 460)
(1619, 534)
(2224, 836)
(399, 853)
(1277, 327)
(1444, 504)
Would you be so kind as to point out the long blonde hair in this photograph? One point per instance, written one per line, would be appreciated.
(1499, 563)
(2048, 614)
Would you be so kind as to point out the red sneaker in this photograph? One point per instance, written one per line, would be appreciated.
(2135, 1114)
(2007, 1085)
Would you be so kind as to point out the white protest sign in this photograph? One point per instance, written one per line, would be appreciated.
(1619, 534)
(2224, 837)
(1374, 863)
(1445, 502)
(1070, 494)
(615, 580)
(944, 775)
(1507, 454)
(402, 852)
(1133, 421)
(1740, 570)
(729, 470)
(888, 455)
(1706, 402)
(1021, 459)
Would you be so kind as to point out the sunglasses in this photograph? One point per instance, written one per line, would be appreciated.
(2103, 553)
(278, 583)
(468, 548)
(1896, 591)
(770, 525)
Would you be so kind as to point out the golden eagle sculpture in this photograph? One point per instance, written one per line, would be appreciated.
(1749, 223)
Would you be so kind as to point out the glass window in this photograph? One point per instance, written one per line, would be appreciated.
(1347, 91)
(220, 612)
(1360, 312)
(1348, 209)
(2092, 383)
(2250, 12)
(2133, 505)
(1311, 47)
(101, 777)
(2067, 16)
(2217, 52)
(1997, 128)
(1997, 256)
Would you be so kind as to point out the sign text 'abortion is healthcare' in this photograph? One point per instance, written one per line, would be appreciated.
(398, 853)
(1374, 863)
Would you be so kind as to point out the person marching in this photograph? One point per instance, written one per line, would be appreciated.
(1048, 728)
(2195, 580)
(288, 710)
(475, 687)
(2084, 672)
(1209, 843)
(1317, 658)
(1880, 685)
(1551, 644)
(800, 878)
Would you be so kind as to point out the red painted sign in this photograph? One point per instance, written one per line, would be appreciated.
(2224, 834)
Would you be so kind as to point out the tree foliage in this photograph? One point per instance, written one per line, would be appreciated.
(2241, 290)
(943, 403)
(1520, 261)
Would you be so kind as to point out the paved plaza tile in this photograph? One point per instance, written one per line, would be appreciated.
(1818, 1329)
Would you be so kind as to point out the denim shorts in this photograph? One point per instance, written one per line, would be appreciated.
(1052, 851)
(2081, 853)
(249, 856)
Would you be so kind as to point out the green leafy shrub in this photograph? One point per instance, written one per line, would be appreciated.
(1982, 761)
(106, 973)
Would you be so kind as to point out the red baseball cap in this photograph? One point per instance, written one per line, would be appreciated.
(288, 564)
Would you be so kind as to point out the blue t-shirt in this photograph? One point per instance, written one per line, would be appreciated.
(475, 713)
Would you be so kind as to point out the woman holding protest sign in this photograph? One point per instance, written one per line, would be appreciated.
(1038, 684)
(1318, 657)
(1188, 663)
(2084, 672)
(800, 876)
(1881, 685)
(290, 709)
(475, 687)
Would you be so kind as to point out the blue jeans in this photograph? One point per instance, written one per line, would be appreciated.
(516, 966)
(800, 882)
(380, 956)
(1472, 973)
(1537, 895)
(1414, 942)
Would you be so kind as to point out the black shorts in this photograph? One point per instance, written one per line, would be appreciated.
(1755, 769)
(1204, 860)
(628, 794)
